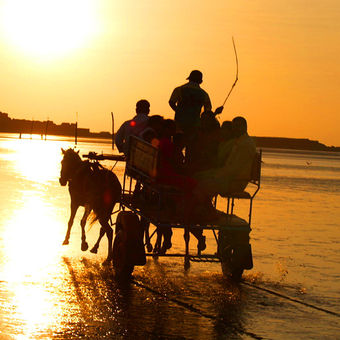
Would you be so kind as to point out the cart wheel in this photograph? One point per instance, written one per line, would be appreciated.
(230, 265)
(229, 269)
(236, 274)
(123, 269)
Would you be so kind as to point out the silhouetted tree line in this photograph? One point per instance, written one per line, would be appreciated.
(10, 125)
(25, 126)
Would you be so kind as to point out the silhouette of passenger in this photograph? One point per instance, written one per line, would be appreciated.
(226, 143)
(226, 131)
(133, 126)
(153, 129)
(187, 101)
(168, 167)
(205, 144)
(234, 172)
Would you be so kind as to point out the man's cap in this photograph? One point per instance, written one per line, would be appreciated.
(195, 76)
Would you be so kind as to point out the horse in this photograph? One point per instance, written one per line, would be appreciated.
(96, 189)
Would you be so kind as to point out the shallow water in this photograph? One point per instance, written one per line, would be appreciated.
(52, 291)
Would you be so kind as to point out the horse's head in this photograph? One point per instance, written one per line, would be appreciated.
(69, 165)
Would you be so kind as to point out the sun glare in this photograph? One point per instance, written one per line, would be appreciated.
(34, 160)
(48, 28)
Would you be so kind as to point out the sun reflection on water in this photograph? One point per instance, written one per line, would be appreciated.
(36, 161)
(30, 240)
(31, 264)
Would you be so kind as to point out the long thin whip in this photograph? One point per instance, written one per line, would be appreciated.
(236, 77)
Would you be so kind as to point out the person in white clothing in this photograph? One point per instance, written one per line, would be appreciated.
(133, 126)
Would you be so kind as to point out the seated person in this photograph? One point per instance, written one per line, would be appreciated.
(133, 126)
(225, 144)
(226, 131)
(205, 144)
(234, 174)
(153, 129)
(168, 168)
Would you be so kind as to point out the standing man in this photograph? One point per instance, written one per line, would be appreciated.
(187, 102)
(133, 126)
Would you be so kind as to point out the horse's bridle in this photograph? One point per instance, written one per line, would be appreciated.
(64, 179)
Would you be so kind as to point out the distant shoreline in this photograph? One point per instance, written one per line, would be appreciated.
(264, 146)
(293, 144)
(46, 128)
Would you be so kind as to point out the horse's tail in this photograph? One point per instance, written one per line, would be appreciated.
(107, 192)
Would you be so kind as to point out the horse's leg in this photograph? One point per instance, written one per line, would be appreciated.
(167, 234)
(158, 243)
(145, 225)
(96, 246)
(74, 208)
(109, 233)
(84, 245)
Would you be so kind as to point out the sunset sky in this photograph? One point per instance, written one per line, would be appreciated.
(97, 56)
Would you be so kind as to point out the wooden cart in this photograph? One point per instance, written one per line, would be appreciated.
(144, 201)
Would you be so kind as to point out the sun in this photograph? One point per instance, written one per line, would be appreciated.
(48, 28)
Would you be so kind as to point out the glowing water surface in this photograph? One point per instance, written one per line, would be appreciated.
(52, 291)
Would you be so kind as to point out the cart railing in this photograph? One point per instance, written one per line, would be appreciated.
(142, 159)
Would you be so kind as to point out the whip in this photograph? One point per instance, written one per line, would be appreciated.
(236, 76)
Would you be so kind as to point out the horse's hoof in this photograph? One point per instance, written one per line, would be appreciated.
(201, 244)
(84, 246)
(166, 245)
(94, 250)
(65, 242)
(162, 251)
(155, 253)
